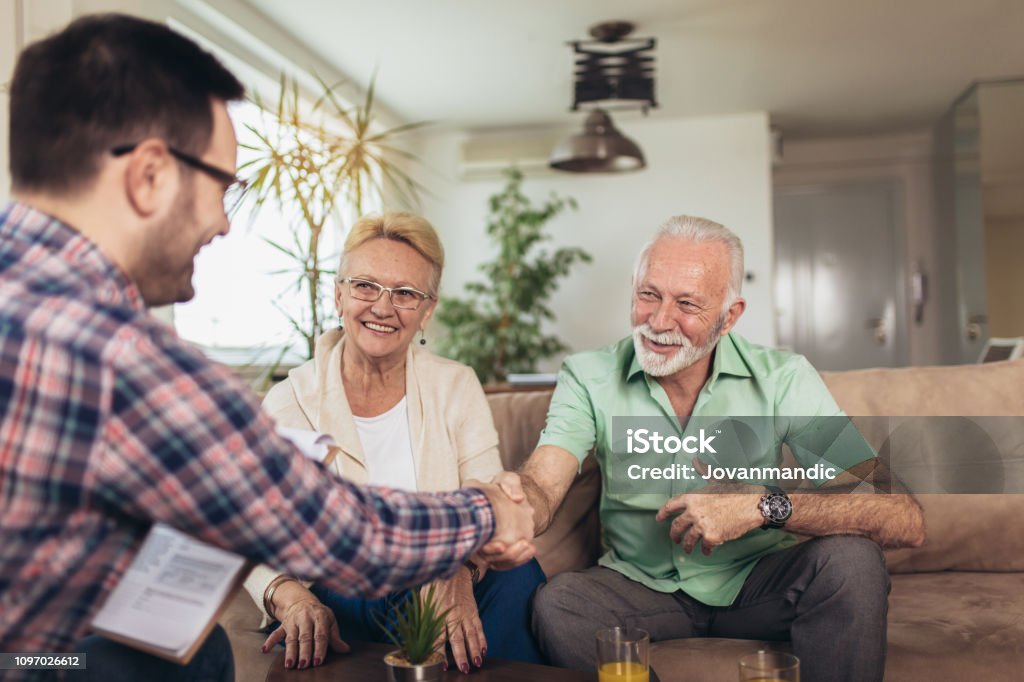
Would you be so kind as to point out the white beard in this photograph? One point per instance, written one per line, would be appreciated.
(658, 365)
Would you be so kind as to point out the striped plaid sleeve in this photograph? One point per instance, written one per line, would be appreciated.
(187, 444)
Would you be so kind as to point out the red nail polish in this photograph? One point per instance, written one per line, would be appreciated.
(477, 662)
(263, 649)
(464, 668)
(302, 664)
(288, 663)
(316, 661)
(483, 652)
(444, 666)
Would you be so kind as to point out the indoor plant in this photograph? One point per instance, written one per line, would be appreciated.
(416, 625)
(315, 161)
(497, 330)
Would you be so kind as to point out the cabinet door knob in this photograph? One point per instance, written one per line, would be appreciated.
(973, 328)
(877, 325)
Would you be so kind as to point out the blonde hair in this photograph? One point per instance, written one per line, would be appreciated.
(399, 226)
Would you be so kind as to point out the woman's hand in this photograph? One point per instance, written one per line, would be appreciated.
(464, 631)
(307, 627)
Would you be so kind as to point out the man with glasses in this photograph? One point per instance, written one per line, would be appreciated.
(122, 155)
(234, 186)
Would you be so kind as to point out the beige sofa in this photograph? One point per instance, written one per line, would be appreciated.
(956, 610)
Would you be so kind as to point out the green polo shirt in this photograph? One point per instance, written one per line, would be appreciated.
(779, 395)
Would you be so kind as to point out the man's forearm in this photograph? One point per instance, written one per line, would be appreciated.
(544, 480)
(417, 538)
(890, 520)
(543, 511)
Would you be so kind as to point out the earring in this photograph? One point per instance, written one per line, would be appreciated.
(423, 338)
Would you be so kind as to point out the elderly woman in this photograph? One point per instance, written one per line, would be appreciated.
(403, 418)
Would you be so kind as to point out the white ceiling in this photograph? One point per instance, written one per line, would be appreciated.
(817, 66)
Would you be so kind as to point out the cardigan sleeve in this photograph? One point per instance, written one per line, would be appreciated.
(476, 440)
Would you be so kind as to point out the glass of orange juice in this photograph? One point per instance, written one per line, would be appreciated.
(769, 666)
(623, 655)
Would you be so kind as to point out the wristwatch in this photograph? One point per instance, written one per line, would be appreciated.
(776, 507)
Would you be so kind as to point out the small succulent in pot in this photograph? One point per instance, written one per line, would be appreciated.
(415, 625)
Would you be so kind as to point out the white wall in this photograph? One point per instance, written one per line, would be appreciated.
(21, 22)
(9, 45)
(25, 21)
(716, 167)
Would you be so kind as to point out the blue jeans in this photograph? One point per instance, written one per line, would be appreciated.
(108, 661)
(504, 602)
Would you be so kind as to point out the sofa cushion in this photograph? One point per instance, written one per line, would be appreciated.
(572, 541)
(992, 389)
(519, 417)
(967, 533)
(963, 532)
(956, 626)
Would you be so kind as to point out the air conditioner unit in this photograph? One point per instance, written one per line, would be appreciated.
(486, 155)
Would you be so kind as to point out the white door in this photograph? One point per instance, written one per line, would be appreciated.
(972, 319)
(839, 274)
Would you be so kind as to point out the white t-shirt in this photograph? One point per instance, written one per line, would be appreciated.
(387, 447)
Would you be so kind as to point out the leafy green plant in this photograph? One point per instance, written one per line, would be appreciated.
(497, 329)
(415, 625)
(313, 161)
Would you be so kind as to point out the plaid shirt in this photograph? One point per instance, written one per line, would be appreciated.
(109, 422)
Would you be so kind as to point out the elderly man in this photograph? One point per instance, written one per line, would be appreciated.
(750, 579)
(121, 155)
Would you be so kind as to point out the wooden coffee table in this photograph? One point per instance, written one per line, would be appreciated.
(365, 663)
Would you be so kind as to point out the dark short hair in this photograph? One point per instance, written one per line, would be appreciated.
(108, 80)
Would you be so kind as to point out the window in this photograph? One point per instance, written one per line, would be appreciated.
(246, 290)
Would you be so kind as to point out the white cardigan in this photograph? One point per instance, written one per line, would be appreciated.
(450, 423)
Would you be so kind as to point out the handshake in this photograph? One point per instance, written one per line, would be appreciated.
(512, 542)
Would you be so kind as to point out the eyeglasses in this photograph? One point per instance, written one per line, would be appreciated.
(404, 298)
(234, 186)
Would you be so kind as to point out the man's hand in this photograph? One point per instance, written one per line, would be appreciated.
(720, 512)
(511, 484)
(512, 543)
(542, 482)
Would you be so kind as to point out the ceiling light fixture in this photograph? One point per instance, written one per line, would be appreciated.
(610, 68)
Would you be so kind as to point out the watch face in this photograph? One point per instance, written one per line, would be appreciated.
(776, 507)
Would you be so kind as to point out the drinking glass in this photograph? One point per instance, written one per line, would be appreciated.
(623, 655)
(769, 666)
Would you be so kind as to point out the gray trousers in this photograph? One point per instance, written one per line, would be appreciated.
(828, 595)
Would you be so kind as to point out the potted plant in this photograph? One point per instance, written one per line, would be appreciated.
(497, 329)
(315, 161)
(415, 625)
